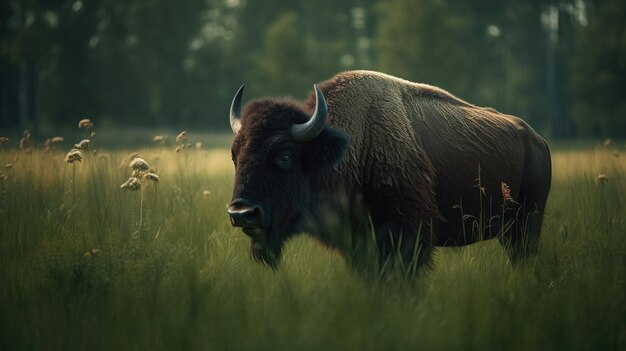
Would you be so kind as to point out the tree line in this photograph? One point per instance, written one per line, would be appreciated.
(157, 63)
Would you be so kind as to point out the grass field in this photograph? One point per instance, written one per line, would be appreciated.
(85, 265)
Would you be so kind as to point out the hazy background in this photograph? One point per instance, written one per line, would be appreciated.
(161, 64)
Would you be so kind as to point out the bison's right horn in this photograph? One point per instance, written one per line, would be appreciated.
(311, 129)
(235, 111)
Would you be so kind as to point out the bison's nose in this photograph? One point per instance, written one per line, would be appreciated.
(245, 215)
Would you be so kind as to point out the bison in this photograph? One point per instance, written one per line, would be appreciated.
(406, 164)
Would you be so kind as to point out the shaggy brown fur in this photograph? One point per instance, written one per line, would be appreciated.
(418, 158)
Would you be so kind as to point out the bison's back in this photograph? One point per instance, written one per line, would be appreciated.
(407, 136)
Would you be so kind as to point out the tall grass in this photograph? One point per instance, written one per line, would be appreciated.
(187, 281)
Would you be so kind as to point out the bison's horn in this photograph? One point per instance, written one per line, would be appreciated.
(311, 129)
(235, 111)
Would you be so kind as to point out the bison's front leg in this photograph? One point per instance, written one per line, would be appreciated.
(404, 243)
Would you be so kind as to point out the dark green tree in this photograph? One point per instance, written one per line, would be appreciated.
(598, 74)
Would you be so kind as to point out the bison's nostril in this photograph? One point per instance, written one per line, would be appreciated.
(244, 215)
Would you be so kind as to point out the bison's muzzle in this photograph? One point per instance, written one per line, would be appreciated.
(247, 216)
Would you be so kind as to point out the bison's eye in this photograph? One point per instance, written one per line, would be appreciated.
(283, 160)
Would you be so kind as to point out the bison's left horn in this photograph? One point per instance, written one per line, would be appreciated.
(235, 111)
(311, 129)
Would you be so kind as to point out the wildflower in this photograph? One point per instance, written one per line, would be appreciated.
(607, 142)
(182, 136)
(198, 145)
(506, 193)
(85, 123)
(4, 140)
(159, 138)
(73, 156)
(206, 193)
(601, 179)
(57, 139)
(139, 164)
(153, 177)
(134, 155)
(131, 184)
(8, 166)
(84, 144)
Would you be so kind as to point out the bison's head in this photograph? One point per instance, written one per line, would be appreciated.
(279, 152)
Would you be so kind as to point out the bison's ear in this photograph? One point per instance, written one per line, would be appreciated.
(324, 151)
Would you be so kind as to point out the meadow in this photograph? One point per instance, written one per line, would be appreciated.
(86, 265)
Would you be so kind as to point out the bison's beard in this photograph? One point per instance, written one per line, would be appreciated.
(267, 249)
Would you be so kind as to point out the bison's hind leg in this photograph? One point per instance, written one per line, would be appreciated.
(522, 240)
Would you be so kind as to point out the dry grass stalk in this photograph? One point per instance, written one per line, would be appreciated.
(182, 136)
(506, 193)
(132, 183)
(151, 176)
(139, 164)
(73, 156)
(601, 179)
(85, 123)
(25, 140)
(83, 145)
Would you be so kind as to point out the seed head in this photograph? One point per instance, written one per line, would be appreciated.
(158, 138)
(198, 145)
(83, 145)
(4, 140)
(24, 142)
(131, 184)
(601, 179)
(506, 193)
(57, 139)
(139, 164)
(85, 123)
(151, 176)
(134, 155)
(206, 193)
(179, 147)
(182, 136)
(73, 156)
(8, 166)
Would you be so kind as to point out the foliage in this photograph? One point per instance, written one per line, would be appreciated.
(598, 72)
(187, 281)
(160, 63)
